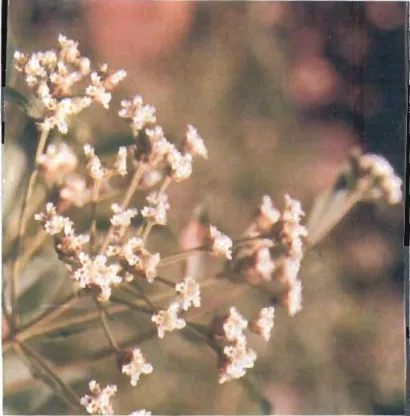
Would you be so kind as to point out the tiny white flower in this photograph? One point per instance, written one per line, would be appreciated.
(263, 325)
(238, 359)
(137, 366)
(221, 244)
(168, 320)
(194, 144)
(99, 402)
(234, 325)
(189, 293)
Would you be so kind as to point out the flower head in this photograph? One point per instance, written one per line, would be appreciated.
(136, 366)
(168, 320)
(94, 272)
(263, 325)
(237, 359)
(221, 244)
(99, 401)
(188, 293)
(194, 144)
(234, 325)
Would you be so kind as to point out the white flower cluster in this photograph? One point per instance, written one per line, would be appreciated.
(220, 244)
(74, 190)
(153, 148)
(99, 402)
(52, 222)
(136, 366)
(157, 209)
(58, 160)
(264, 323)
(69, 244)
(122, 218)
(95, 168)
(237, 356)
(53, 74)
(194, 143)
(136, 259)
(188, 294)
(139, 114)
(94, 272)
(168, 320)
(387, 184)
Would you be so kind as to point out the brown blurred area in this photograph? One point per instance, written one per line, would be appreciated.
(280, 91)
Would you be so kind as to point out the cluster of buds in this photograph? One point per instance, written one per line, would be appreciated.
(97, 171)
(133, 364)
(99, 401)
(135, 259)
(220, 245)
(58, 161)
(87, 271)
(376, 177)
(237, 356)
(272, 247)
(264, 323)
(53, 74)
(153, 149)
(157, 208)
(187, 295)
(68, 244)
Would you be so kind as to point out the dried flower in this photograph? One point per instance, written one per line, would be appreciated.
(292, 231)
(189, 293)
(293, 299)
(157, 209)
(121, 161)
(168, 320)
(75, 190)
(136, 366)
(387, 184)
(138, 259)
(139, 114)
(52, 222)
(237, 359)
(179, 165)
(263, 325)
(122, 218)
(94, 166)
(221, 244)
(194, 144)
(95, 273)
(99, 401)
(58, 160)
(234, 325)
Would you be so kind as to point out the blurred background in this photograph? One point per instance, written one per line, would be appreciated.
(280, 91)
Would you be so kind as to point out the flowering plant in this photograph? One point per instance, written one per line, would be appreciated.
(114, 269)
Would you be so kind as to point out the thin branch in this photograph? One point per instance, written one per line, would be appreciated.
(103, 319)
(23, 225)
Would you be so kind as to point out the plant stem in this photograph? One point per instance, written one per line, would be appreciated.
(103, 319)
(23, 225)
(125, 202)
(182, 255)
(66, 390)
(93, 225)
(330, 222)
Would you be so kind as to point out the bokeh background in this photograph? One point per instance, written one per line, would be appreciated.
(280, 91)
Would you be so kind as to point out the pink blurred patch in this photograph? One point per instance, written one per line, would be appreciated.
(306, 42)
(312, 81)
(126, 32)
(331, 146)
(386, 15)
